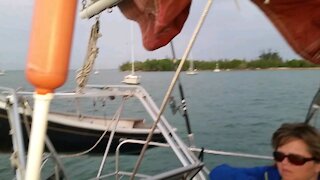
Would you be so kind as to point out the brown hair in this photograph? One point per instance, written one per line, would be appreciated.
(290, 131)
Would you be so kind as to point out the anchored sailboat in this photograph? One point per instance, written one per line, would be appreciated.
(192, 70)
(132, 78)
(217, 68)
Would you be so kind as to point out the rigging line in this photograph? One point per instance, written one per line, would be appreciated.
(314, 107)
(118, 113)
(170, 89)
(55, 157)
(183, 103)
(173, 52)
(237, 4)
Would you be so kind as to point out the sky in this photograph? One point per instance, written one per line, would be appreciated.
(230, 31)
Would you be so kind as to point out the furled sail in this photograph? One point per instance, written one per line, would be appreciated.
(159, 20)
(299, 23)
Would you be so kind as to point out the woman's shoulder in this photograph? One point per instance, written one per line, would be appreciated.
(227, 172)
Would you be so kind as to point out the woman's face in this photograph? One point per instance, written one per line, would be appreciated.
(289, 171)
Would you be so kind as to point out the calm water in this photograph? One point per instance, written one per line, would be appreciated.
(232, 111)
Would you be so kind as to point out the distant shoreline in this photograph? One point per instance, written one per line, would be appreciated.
(274, 69)
(257, 69)
(289, 68)
(268, 69)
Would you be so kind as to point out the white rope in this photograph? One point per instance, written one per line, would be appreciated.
(92, 52)
(118, 113)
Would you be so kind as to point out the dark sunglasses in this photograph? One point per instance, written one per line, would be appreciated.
(292, 158)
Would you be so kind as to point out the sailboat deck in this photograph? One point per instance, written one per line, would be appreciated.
(106, 122)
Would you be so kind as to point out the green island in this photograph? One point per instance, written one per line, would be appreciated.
(266, 60)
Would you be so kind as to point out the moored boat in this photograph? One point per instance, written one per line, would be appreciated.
(132, 78)
(191, 70)
(76, 132)
(73, 134)
(217, 68)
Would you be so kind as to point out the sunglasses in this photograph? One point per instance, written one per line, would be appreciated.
(292, 158)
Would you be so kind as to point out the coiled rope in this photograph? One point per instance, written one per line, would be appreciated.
(92, 53)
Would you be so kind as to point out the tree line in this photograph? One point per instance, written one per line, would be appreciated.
(264, 61)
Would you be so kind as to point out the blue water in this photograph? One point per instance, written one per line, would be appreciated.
(232, 111)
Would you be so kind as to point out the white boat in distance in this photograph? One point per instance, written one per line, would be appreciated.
(2, 72)
(132, 78)
(192, 70)
(217, 68)
(96, 72)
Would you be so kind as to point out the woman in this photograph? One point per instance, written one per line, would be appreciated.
(296, 154)
(297, 151)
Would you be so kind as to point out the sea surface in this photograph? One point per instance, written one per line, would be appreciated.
(233, 111)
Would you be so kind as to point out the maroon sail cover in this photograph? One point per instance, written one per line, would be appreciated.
(299, 23)
(159, 20)
(297, 20)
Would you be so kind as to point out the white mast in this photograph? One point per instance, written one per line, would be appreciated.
(132, 48)
(191, 68)
(132, 78)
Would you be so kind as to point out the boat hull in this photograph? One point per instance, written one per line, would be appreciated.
(192, 72)
(69, 139)
(131, 79)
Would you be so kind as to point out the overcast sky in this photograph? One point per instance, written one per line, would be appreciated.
(229, 32)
